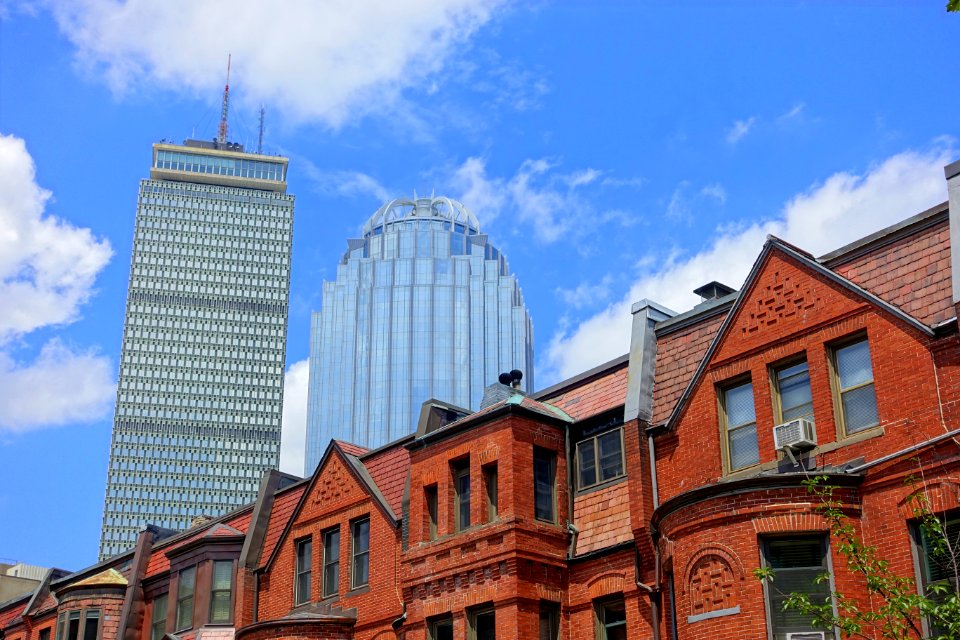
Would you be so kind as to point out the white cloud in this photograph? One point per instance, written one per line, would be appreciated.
(586, 294)
(739, 129)
(793, 112)
(60, 387)
(47, 272)
(344, 183)
(826, 216)
(327, 61)
(715, 191)
(294, 423)
(550, 202)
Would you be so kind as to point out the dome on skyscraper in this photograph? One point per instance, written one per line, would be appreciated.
(441, 208)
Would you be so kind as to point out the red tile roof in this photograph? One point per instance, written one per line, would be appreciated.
(351, 449)
(678, 355)
(158, 558)
(388, 468)
(12, 612)
(606, 392)
(603, 517)
(283, 507)
(47, 604)
(912, 273)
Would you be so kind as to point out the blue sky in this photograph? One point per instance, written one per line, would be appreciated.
(613, 150)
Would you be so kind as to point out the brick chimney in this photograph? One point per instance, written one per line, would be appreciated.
(643, 352)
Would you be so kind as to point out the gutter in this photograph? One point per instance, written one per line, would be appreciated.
(903, 452)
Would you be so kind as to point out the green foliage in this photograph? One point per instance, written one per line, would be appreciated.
(895, 608)
(953, 5)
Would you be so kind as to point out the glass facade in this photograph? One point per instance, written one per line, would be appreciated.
(423, 306)
(199, 398)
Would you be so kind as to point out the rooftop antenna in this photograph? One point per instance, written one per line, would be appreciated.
(260, 138)
(222, 133)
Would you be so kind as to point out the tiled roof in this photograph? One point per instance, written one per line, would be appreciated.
(48, 603)
(233, 525)
(912, 273)
(351, 449)
(283, 507)
(388, 468)
(603, 518)
(600, 394)
(13, 611)
(678, 354)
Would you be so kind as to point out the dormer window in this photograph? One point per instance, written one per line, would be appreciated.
(600, 458)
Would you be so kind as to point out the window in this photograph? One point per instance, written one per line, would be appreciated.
(544, 484)
(549, 621)
(304, 570)
(441, 628)
(611, 620)
(740, 426)
(482, 624)
(854, 381)
(600, 458)
(331, 562)
(794, 399)
(360, 566)
(45, 634)
(185, 598)
(430, 497)
(158, 626)
(221, 592)
(796, 563)
(91, 624)
(461, 495)
(490, 491)
(935, 563)
(73, 625)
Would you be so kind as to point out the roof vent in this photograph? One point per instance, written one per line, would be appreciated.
(713, 290)
(507, 387)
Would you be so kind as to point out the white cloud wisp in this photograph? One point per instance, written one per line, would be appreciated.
(326, 61)
(828, 215)
(47, 272)
(293, 437)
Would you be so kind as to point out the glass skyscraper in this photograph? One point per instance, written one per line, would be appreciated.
(200, 392)
(423, 306)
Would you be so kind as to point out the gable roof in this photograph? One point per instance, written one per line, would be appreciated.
(359, 473)
(592, 393)
(806, 260)
(388, 467)
(284, 505)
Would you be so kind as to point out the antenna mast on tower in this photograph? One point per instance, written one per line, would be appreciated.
(222, 133)
(260, 138)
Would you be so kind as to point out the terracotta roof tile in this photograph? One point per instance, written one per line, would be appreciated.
(388, 468)
(351, 449)
(12, 612)
(912, 273)
(48, 603)
(603, 517)
(678, 355)
(596, 396)
(283, 507)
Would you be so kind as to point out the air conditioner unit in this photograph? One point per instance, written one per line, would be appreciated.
(796, 434)
(807, 635)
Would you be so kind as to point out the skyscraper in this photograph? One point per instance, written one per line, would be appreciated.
(200, 392)
(423, 306)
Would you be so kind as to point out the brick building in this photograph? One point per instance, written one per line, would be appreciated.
(632, 501)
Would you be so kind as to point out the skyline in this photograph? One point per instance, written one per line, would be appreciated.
(601, 153)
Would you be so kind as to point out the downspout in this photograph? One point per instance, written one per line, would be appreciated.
(655, 592)
(256, 595)
(571, 528)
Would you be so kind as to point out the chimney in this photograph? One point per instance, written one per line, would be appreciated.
(507, 387)
(643, 353)
(713, 291)
(952, 173)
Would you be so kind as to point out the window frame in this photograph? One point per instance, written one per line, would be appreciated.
(824, 541)
(920, 566)
(354, 554)
(326, 561)
(837, 390)
(776, 393)
(725, 431)
(549, 456)
(491, 491)
(460, 469)
(549, 614)
(181, 599)
(163, 598)
(299, 570)
(473, 613)
(599, 609)
(214, 591)
(433, 624)
(594, 437)
(431, 499)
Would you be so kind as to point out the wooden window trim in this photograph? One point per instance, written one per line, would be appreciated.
(163, 599)
(722, 390)
(461, 469)
(475, 612)
(431, 497)
(550, 457)
(325, 592)
(837, 391)
(298, 598)
(214, 591)
(596, 460)
(491, 491)
(182, 599)
(354, 554)
(775, 396)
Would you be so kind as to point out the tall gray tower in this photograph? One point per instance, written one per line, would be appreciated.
(200, 394)
(423, 307)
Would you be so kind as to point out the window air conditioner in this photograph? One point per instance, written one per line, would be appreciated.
(807, 635)
(796, 434)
